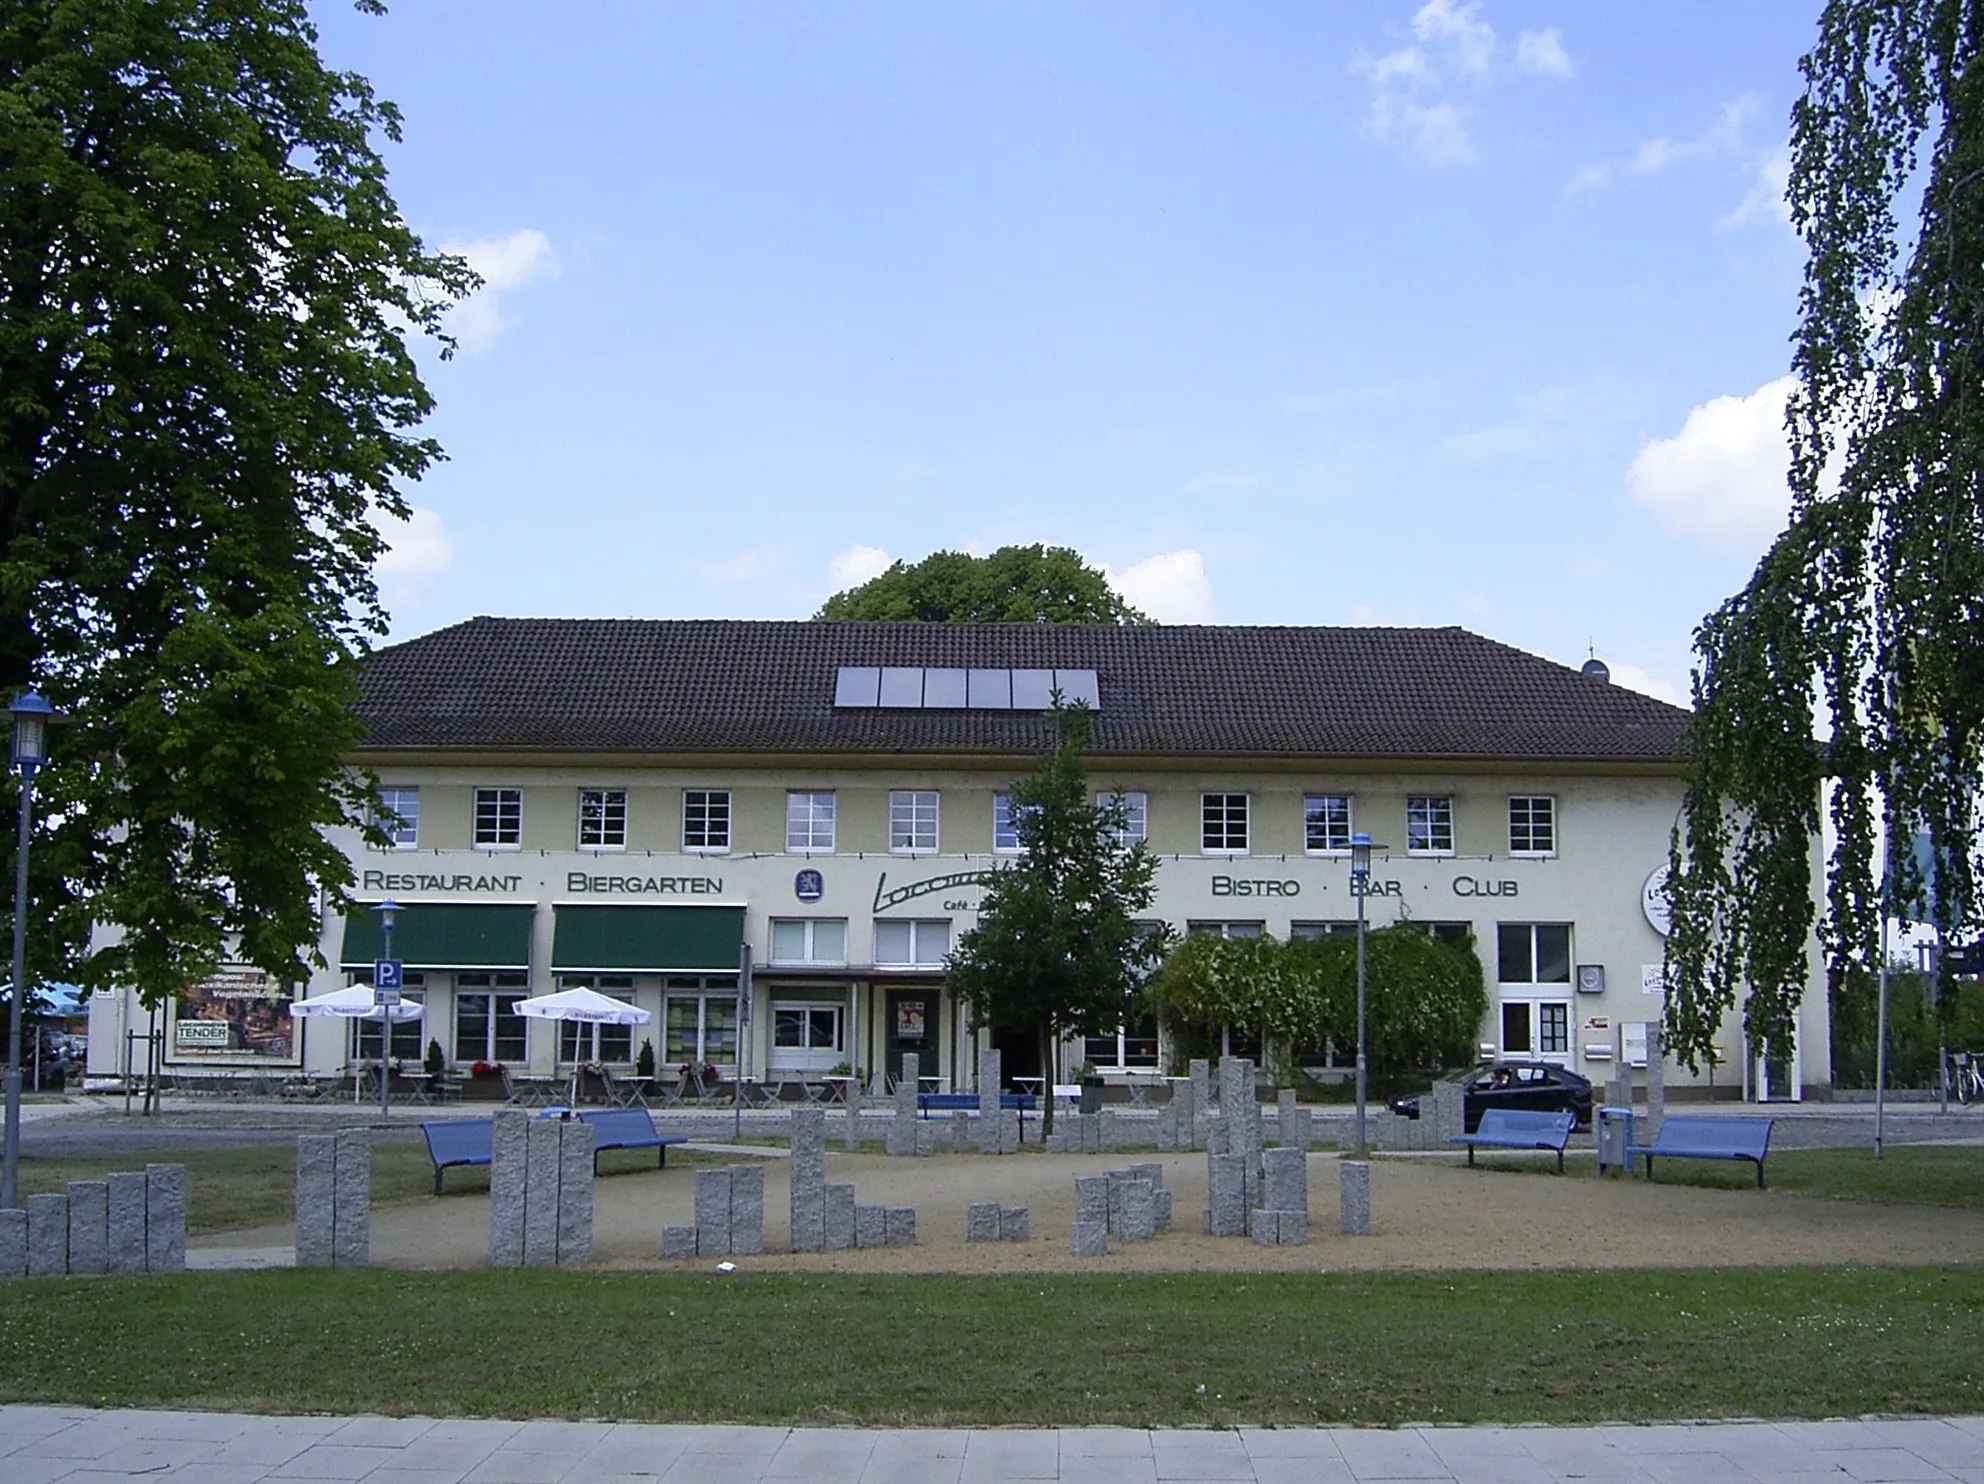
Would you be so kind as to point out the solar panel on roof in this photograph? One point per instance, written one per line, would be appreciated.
(1033, 690)
(857, 685)
(1078, 685)
(943, 690)
(989, 690)
(902, 686)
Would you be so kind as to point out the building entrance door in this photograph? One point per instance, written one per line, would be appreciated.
(1537, 1030)
(912, 1028)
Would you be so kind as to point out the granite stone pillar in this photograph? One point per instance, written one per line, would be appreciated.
(1354, 1197)
(747, 1210)
(14, 1242)
(509, 1164)
(713, 1212)
(125, 1213)
(840, 1218)
(351, 1213)
(47, 1236)
(991, 1072)
(542, 1159)
(574, 1239)
(315, 1202)
(165, 1218)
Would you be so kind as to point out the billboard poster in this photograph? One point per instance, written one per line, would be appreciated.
(238, 1015)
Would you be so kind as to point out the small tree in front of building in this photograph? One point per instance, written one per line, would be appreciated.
(1058, 946)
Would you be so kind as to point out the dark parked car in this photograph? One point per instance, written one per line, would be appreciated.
(1534, 1086)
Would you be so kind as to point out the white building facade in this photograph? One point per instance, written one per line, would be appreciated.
(639, 807)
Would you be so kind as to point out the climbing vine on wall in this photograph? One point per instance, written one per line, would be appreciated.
(1867, 614)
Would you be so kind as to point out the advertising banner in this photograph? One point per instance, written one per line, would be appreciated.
(239, 1015)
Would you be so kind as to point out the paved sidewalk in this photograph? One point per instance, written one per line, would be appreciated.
(39, 1445)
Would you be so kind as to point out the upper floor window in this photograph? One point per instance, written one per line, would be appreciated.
(1134, 828)
(602, 819)
(705, 819)
(1006, 816)
(499, 818)
(1326, 823)
(1532, 825)
(809, 822)
(809, 940)
(1315, 930)
(1225, 929)
(399, 815)
(919, 943)
(1429, 825)
(1223, 824)
(913, 822)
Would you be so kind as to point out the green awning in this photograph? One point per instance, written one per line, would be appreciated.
(443, 935)
(617, 940)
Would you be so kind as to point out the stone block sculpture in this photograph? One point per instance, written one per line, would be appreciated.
(540, 1190)
(991, 1070)
(825, 1218)
(1015, 1224)
(333, 1200)
(1354, 1197)
(47, 1236)
(89, 1226)
(981, 1221)
(165, 1218)
(14, 1243)
(1089, 1239)
(902, 1127)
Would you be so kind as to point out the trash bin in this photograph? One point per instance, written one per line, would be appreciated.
(1091, 1095)
(1615, 1139)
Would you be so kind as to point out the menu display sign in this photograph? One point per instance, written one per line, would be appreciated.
(238, 1015)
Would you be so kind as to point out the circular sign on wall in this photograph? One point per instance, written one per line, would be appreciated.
(809, 886)
(1654, 903)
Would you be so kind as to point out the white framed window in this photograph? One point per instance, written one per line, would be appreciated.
(1225, 929)
(1533, 953)
(809, 822)
(699, 1021)
(602, 819)
(912, 943)
(399, 817)
(1314, 930)
(1006, 818)
(1326, 824)
(806, 1035)
(487, 1025)
(499, 818)
(809, 940)
(912, 821)
(579, 1041)
(1532, 825)
(1429, 824)
(1132, 1048)
(1135, 828)
(1223, 824)
(706, 819)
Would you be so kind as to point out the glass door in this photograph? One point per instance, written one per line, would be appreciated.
(1537, 1030)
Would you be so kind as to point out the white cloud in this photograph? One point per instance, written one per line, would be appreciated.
(1767, 200)
(1723, 476)
(1171, 588)
(1722, 138)
(1453, 47)
(419, 546)
(743, 567)
(504, 263)
(856, 565)
(1632, 677)
(1541, 53)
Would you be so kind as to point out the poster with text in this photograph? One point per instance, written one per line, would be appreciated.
(238, 1015)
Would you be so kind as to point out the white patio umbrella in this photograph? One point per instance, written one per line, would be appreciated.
(356, 1003)
(587, 1006)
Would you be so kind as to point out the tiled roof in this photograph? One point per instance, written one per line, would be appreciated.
(723, 685)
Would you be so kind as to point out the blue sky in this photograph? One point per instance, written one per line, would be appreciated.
(1415, 313)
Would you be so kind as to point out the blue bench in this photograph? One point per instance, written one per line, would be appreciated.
(628, 1128)
(1515, 1128)
(463, 1142)
(1690, 1137)
(967, 1102)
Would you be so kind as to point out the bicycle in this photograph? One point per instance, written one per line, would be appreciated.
(1967, 1075)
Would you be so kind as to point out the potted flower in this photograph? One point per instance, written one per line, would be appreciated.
(485, 1082)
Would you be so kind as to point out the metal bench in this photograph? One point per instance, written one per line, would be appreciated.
(967, 1102)
(462, 1142)
(627, 1128)
(1689, 1137)
(1516, 1128)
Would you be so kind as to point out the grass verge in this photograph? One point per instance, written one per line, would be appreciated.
(1062, 1349)
(1911, 1174)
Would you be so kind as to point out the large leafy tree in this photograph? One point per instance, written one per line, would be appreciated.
(206, 400)
(1868, 610)
(1058, 946)
(1015, 584)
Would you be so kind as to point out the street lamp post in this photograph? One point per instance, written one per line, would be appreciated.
(386, 910)
(1360, 881)
(32, 716)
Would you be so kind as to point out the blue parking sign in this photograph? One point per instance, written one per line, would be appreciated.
(388, 973)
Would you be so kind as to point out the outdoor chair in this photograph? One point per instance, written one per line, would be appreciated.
(622, 1092)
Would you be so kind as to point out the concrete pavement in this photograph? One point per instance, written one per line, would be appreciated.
(74, 1445)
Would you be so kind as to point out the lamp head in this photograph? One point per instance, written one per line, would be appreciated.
(32, 718)
(386, 910)
(1360, 857)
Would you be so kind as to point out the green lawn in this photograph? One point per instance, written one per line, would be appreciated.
(1908, 1175)
(1218, 1349)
